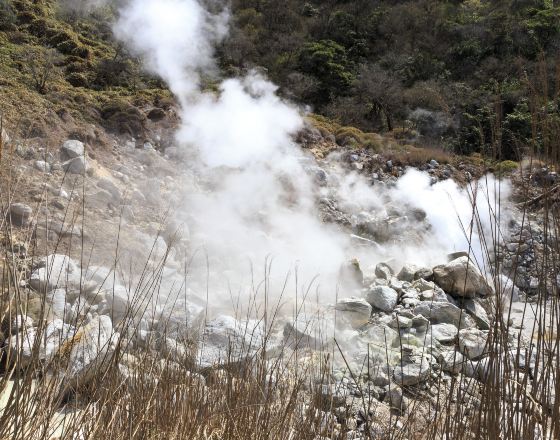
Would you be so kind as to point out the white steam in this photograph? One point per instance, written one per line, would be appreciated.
(256, 199)
(174, 37)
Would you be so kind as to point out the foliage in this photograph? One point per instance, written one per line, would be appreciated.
(327, 61)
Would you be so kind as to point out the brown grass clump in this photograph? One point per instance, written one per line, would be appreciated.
(414, 156)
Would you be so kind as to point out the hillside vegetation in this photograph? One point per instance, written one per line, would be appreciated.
(463, 75)
(61, 68)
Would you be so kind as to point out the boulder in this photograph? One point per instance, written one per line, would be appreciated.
(88, 351)
(72, 149)
(444, 313)
(444, 332)
(452, 361)
(21, 323)
(25, 349)
(4, 137)
(226, 340)
(400, 322)
(407, 272)
(383, 271)
(351, 273)
(77, 165)
(109, 186)
(55, 270)
(478, 313)
(412, 374)
(20, 214)
(382, 297)
(472, 343)
(395, 399)
(510, 292)
(424, 273)
(460, 277)
(355, 311)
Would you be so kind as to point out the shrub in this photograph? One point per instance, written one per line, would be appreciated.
(123, 118)
(7, 16)
(349, 136)
(506, 167)
(78, 79)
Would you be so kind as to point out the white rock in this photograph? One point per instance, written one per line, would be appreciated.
(72, 149)
(444, 312)
(444, 332)
(90, 349)
(412, 374)
(23, 343)
(355, 311)
(21, 322)
(55, 270)
(382, 297)
(472, 343)
(452, 361)
(43, 166)
(226, 339)
(109, 186)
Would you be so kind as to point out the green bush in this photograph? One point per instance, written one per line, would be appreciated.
(506, 167)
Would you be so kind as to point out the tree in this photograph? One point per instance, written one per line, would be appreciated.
(41, 64)
(328, 62)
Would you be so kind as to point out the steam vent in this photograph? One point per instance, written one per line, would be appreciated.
(279, 220)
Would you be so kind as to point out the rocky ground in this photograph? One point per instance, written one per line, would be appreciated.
(79, 217)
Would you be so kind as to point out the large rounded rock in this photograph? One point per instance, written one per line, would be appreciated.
(77, 165)
(452, 361)
(88, 351)
(355, 311)
(444, 332)
(72, 149)
(226, 340)
(444, 313)
(472, 343)
(412, 374)
(461, 278)
(382, 297)
(55, 270)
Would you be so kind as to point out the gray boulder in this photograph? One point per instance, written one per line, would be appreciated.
(55, 270)
(77, 165)
(382, 297)
(452, 361)
(407, 272)
(383, 271)
(89, 350)
(460, 277)
(42, 166)
(472, 343)
(478, 313)
(72, 149)
(412, 374)
(444, 313)
(228, 340)
(355, 311)
(444, 332)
